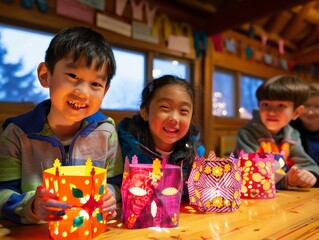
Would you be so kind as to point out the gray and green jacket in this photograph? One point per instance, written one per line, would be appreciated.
(28, 146)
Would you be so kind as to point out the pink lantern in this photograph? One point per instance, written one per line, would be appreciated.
(151, 194)
(258, 174)
(84, 188)
(214, 184)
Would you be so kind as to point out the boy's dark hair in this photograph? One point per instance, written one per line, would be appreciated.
(314, 89)
(152, 87)
(284, 88)
(81, 41)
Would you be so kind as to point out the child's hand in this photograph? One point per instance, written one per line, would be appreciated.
(300, 178)
(46, 206)
(109, 203)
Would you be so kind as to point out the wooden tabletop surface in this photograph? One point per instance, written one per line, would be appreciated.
(293, 214)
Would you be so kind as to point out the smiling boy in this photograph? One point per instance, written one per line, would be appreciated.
(280, 100)
(78, 68)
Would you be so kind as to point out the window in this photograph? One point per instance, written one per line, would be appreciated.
(173, 67)
(128, 83)
(225, 92)
(248, 100)
(223, 101)
(21, 51)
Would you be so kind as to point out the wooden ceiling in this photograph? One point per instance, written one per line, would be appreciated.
(294, 21)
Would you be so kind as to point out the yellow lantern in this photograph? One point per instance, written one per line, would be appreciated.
(83, 187)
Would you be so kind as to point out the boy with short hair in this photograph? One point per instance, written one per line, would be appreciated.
(79, 65)
(308, 123)
(280, 99)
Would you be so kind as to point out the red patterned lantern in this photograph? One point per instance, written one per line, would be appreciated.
(214, 183)
(146, 190)
(258, 174)
(84, 188)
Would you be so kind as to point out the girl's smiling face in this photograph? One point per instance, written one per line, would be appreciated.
(169, 115)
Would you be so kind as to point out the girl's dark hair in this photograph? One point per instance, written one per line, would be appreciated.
(81, 41)
(284, 88)
(152, 87)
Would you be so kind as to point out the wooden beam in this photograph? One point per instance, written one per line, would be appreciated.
(297, 21)
(310, 39)
(236, 14)
(307, 56)
(203, 6)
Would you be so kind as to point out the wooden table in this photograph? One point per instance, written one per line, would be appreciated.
(293, 214)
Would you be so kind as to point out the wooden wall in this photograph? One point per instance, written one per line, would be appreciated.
(211, 127)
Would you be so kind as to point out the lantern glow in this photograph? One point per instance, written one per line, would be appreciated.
(146, 190)
(84, 188)
(214, 183)
(258, 173)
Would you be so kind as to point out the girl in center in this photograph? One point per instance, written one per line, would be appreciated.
(163, 128)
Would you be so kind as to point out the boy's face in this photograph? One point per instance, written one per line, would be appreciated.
(76, 91)
(276, 114)
(310, 115)
(169, 116)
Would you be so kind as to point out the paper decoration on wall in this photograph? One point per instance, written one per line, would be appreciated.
(150, 14)
(151, 194)
(284, 64)
(200, 43)
(264, 39)
(178, 43)
(137, 9)
(143, 32)
(75, 10)
(314, 71)
(291, 64)
(281, 46)
(251, 31)
(249, 52)
(214, 184)
(258, 175)
(42, 4)
(218, 42)
(83, 187)
(120, 6)
(258, 55)
(163, 25)
(181, 38)
(230, 45)
(268, 58)
(97, 4)
(114, 25)
(275, 62)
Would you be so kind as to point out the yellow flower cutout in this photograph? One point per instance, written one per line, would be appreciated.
(125, 175)
(218, 201)
(227, 203)
(196, 176)
(207, 170)
(217, 171)
(197, 193)
(227, 167)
